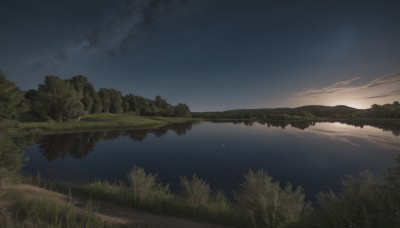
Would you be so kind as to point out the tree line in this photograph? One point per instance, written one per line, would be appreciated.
(389, 111)
(61, 100)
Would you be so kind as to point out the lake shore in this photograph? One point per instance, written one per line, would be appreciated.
(81, 211)
(101, 121)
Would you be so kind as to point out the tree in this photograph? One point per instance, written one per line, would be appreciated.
(111, 100)
(78, 82)
(158, 101)
(86, 92)
(58, 100)
(11, 98)
(97, 105)
(105, 99)
(182, 110)
(130, 103)
(116, 101)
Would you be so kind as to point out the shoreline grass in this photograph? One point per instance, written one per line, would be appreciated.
(260, 202)
(25, 211)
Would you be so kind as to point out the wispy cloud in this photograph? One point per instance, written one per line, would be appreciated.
(383, 81)
(339, 87)
(380, 90)
(388, 94)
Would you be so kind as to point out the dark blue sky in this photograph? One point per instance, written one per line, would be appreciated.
(211, 54)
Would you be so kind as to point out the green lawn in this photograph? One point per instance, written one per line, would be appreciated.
(101, 121)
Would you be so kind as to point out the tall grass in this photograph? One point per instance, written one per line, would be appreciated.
(196, 191)
(365, 201)
(265, 204)
(142, 184)
(46, 213)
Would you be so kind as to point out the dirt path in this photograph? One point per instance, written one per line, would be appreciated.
(112, 212)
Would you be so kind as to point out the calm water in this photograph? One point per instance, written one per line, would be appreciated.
(315, 156)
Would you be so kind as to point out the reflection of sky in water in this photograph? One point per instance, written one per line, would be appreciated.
(356, 136)
(316, 158)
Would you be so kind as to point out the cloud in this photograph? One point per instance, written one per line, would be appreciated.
(380, 90)
(388, 94)
(338, 87)
(383, 81)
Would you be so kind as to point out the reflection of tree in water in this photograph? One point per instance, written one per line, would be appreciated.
(78, 145)
(394, 128)
(160, 132)
(137, 135)
(249, 123)
(11, 158)
(110, 135)
(304, 124)
(281, 124)
(180, 129)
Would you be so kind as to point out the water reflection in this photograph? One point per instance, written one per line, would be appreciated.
(79, 145)
(304, 124)
(356, 137)
(315, 155)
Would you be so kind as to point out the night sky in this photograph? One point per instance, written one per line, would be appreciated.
(211, 54)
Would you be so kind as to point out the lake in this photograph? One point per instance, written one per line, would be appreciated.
(314, 155)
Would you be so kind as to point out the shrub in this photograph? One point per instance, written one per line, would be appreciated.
(142, 184)
(196, 191)
(265, 204)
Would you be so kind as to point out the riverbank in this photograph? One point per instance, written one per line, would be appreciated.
(99, 121)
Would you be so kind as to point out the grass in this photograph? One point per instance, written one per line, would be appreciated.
(160, 200)
(365, 201)
(37, 212)
(368, 200)
(99, 121)
(197, 201)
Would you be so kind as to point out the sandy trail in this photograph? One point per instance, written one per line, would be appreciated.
(109, 211)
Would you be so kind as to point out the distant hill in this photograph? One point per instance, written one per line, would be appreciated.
(306, 112)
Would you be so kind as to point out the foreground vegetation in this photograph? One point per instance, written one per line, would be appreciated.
(36, 212)
(365, 201)
(258, 198)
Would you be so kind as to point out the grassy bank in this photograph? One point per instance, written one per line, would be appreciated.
(19, 210)
(367, 200)
(253, 201)
(99, 121)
